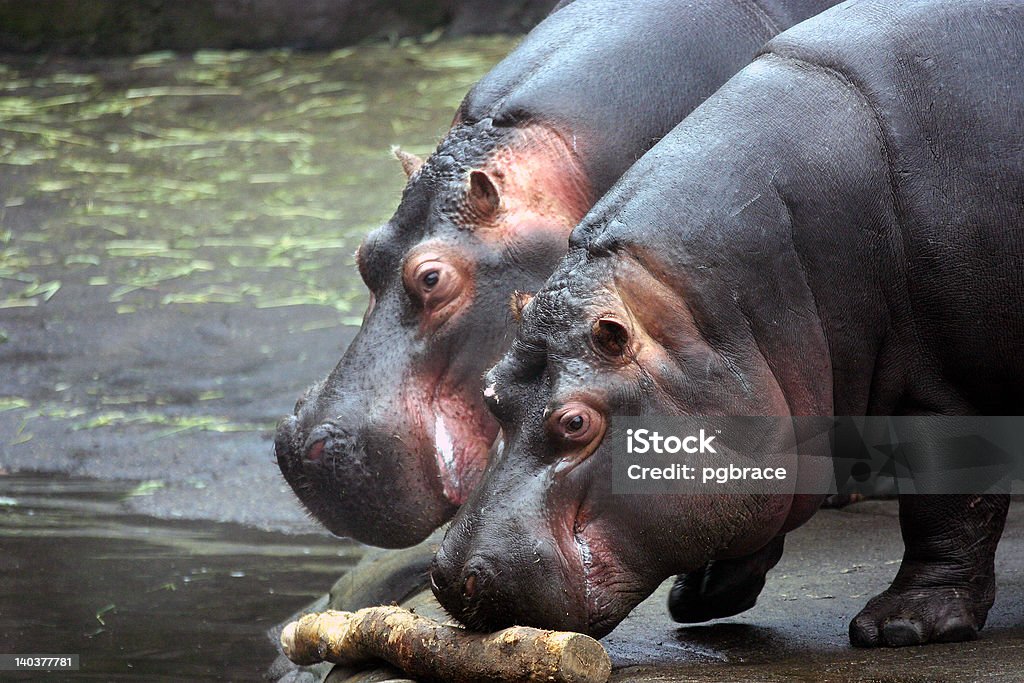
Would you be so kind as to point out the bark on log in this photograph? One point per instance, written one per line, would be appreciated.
(429, 651)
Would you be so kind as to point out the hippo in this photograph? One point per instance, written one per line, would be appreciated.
(387, 447)
(836, 232)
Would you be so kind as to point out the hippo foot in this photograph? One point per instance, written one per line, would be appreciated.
(946, 584)
(914, 616)
(708, 594)
(722, 588)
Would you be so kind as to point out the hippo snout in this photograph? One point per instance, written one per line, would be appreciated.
(465, 589)
(444, 579)
(344, 461)
(306, 435)
(297, 445)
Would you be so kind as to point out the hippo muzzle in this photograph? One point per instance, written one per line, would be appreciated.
(340, 458)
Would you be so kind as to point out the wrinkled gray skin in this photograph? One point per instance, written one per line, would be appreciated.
(837, 231)
(387, 447)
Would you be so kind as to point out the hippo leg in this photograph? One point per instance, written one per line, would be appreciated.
(946, 583)
(723, 588)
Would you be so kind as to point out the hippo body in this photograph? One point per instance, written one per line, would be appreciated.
(386, 448)
(839, 230)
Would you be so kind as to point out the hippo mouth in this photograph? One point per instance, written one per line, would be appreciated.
(459, 470)
(607, 593)
(591, 565)
(447, 465)
(464, 438)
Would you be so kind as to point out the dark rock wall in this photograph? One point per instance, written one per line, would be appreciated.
(104, 27)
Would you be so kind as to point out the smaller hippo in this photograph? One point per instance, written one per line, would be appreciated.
(837, 231)
(395, 439)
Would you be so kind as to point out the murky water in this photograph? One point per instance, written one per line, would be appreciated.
(137, 186)
(139, 597)
(165, 180)
(176, 239)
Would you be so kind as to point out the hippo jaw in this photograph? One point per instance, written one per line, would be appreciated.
(609, 589)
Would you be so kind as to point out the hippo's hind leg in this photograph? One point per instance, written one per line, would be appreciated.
(946, 583)
(723, 588)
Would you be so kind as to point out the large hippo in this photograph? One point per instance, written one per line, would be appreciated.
(392, 442)
(839, 230)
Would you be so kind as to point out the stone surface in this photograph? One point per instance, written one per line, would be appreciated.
(798, 629)
(128, 27)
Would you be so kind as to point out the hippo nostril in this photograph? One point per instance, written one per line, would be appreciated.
(316, 450)
(469, 587)
(318, 438)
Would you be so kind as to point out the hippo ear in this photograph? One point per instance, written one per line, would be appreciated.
(518, 302)
(483, 196)
(610, 337)
(410, 162)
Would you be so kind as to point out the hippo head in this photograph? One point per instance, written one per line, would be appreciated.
(390, 444)
(543, 541)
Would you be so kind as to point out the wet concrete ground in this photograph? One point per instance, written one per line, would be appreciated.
(798, 629)
(175, 267)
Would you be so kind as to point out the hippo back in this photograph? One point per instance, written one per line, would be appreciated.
(945, 81)
(623, 100)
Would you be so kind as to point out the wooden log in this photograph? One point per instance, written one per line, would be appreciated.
(429, 651)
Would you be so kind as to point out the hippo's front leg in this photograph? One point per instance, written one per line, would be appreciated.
(946, 583)
(723, 588)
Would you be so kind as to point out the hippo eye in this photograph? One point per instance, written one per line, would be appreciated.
(430, 279)
(576, 423)
(433, 283)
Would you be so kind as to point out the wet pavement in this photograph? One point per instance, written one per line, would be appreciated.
(798, 629)
(176, 238)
